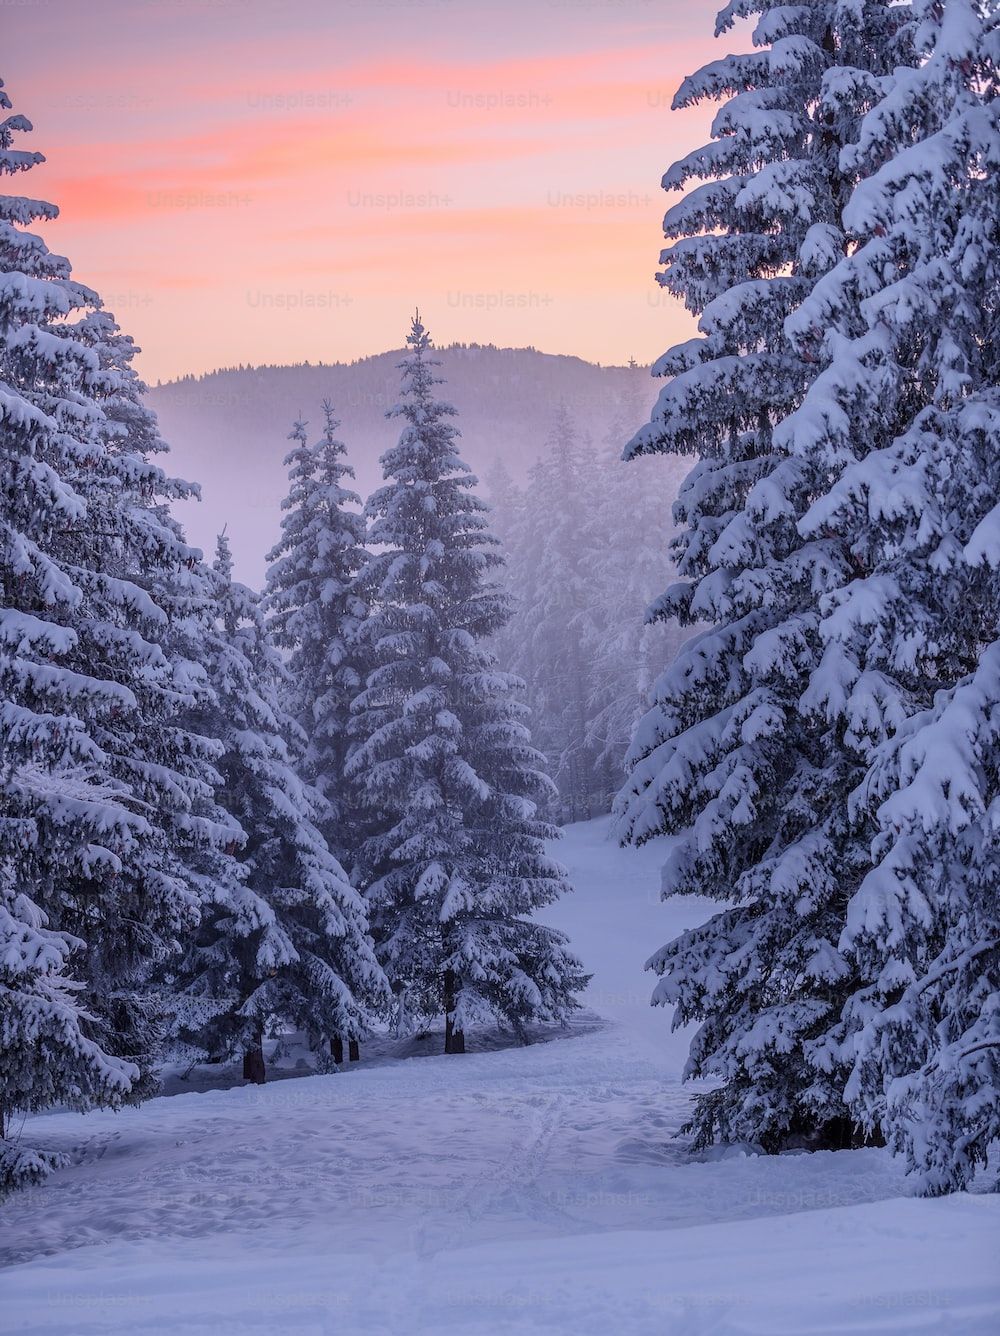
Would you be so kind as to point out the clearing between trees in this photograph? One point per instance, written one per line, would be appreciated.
(528, 1189)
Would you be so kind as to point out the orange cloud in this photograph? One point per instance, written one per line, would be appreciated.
(369, 155)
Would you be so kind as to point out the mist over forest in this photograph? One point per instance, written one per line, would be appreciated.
(229, 429)
(585, 536)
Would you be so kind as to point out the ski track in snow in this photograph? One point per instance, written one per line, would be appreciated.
(530, 1190)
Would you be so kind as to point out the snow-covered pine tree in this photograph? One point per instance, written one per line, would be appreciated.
(512, 524)
(550, 542)
(286, 943)
(508, 506)
(47, 1053)
(456, 860)
(753, 782)
(200, 833)
(560, 622)
(99, 791)
(906, 329)
(315, 606)
(584, 551)
(628, 560)
(47, 1050)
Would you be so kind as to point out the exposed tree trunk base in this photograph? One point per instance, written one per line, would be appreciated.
(337, 1049)
(353, 1051)
(254, 1070)
(454, 1040)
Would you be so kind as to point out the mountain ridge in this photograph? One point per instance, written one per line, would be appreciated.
(228, 428)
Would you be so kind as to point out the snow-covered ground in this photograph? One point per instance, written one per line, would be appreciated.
(530, 1190)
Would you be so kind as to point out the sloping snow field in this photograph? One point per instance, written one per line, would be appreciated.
(531, 1190)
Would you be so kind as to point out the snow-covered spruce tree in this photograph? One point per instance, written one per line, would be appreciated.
(315, 607)
(508, 518)
(551, 541)
(200, 833)
(47, 1050)
(753, 783)
(47, 1053)
(199, 830)
(286, 942)
(512, 524)
(456, 860)
(907, 411)
(628, 560)
(99, 792)
(584, 552)
(560, 622)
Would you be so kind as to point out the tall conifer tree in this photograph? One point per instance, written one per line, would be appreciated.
(286, 942)
(315, 608)
(734, 758)
(456, 860)
(905, 415)
(104, 794)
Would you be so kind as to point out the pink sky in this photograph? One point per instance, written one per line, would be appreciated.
(266, 181)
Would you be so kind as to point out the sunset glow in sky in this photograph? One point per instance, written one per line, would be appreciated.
(267, 181)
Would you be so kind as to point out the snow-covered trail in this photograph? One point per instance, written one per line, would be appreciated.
(533, 1190)
(616, 920)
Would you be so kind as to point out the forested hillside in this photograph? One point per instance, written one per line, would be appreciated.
(232, 425)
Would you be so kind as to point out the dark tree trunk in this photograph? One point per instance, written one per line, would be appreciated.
(253, 1063)
(337, 1049)
(454, 1040)
(353, 1051)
